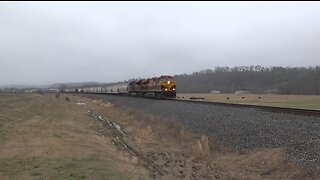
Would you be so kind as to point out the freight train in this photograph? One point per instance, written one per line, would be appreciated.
(157, 87)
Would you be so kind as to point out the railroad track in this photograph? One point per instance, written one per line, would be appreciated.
(308, 112)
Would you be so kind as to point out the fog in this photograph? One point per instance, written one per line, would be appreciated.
(51, 42)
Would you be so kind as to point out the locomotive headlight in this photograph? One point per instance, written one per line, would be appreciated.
(174, 89)
(169, 82)
(166, 89)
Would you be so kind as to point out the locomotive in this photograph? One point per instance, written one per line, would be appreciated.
(157, 87)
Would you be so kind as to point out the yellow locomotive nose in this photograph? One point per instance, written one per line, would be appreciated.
(168, 86)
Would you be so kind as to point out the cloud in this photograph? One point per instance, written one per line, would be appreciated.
(48, 42)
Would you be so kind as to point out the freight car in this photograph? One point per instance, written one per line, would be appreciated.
(158, 87)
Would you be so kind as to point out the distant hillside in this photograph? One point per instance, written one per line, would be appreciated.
(21, 86)
(255, 79)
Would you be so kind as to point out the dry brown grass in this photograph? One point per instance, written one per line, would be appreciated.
(201, 148)
(144, 133)
(43, 137)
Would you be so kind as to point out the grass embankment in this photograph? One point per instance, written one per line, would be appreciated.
(43, 137)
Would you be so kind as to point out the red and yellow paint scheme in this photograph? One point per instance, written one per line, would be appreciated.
(159, 87)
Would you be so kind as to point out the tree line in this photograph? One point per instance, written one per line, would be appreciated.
(256, 79)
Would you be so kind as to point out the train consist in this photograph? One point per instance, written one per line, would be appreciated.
(158, 87)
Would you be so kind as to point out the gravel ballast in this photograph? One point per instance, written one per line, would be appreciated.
(244, 128)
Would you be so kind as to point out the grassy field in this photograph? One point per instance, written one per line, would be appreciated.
(44, 137)
(292, 101)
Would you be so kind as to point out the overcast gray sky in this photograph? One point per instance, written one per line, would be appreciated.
(49, 42)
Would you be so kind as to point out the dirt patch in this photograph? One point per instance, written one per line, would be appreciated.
(170, 151)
